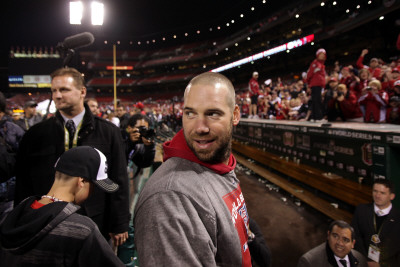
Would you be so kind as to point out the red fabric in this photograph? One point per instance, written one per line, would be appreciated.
(254, 87)
(245, 109)
(384, 96)
(316, 74)
(374, 72)
(36, 205)
(372, 107)
(178, 147)
(349, 106)
(359, 86)
(349, 81)
(240, 218)
(398, 42)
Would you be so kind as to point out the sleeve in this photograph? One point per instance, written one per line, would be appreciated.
(355, 223)
(97, 252)
(118, 206)
(303, 262)
(259, 251)
(359, 63)
(349, 104)
(170, 232)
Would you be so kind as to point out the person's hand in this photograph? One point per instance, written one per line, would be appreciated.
(364, 52)
(340, 98)
(119, 239)
(147, 142)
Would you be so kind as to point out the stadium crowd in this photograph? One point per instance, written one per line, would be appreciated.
(361, 93)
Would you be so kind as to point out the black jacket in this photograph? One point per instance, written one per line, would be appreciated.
(53, 235)
(389, 236)
(42, 145)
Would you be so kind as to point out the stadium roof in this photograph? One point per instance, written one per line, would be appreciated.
(130, 21)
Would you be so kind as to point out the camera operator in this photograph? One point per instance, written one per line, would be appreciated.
(344, 105)
(140, 149)
(140, 146)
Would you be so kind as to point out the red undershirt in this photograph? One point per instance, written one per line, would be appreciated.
(36, 205)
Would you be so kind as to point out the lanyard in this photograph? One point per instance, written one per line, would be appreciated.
(75, 140)
(26, 124)
(375, 237)
(380, 228)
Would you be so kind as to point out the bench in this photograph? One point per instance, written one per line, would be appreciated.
(335, 186)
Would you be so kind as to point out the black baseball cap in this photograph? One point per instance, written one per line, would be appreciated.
(89, 163)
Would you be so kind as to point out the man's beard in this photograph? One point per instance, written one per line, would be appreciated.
(221, 154)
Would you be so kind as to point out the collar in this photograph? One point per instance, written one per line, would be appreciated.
(77, 119)
(346, 258)
(178, 147)
(383, 212)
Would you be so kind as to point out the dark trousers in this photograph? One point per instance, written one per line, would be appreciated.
(316, 103)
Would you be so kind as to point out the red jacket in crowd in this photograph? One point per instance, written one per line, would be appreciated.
(374, 72)
(254, 87)
(374, 107)
(316, 74)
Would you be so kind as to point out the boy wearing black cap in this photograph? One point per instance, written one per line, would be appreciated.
(47, 231)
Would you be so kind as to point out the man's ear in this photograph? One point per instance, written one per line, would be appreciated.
(80, 182)
(83, 91)
(236, 115)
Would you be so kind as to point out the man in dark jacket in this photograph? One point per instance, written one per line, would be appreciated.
(47, 230)
(377, 226)
(140, 151)
(74, 125)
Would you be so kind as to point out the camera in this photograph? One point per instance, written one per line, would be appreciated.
(146, 133)
(339, 94)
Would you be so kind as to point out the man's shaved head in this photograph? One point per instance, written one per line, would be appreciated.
(217, 80)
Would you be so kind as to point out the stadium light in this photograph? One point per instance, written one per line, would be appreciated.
(97, 9)
(75, 12)
(267, 53)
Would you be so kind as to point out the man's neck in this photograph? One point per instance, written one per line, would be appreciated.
(382, 207)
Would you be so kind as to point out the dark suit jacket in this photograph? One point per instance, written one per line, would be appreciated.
(390, 234)
(322, 256)
(43, 144)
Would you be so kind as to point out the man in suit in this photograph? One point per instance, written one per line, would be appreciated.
(337, 251)
(75, 125)
(377, 227)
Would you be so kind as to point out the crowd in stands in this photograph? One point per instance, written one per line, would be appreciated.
(352, 93)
